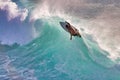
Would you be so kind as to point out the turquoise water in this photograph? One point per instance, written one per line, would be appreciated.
(53, 56)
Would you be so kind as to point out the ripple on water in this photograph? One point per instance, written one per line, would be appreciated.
(3, 71)
(3, 59)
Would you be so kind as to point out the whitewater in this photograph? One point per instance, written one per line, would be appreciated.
(51, 55)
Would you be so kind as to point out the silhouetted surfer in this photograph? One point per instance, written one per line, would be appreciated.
(69, 28)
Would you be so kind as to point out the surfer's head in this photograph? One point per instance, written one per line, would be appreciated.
(67, 26)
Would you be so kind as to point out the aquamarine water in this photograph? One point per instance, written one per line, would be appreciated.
(53, 56)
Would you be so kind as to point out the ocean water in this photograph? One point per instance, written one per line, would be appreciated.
(53, 56)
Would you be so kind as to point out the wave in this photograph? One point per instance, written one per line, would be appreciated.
(52, 56)
(92, 16)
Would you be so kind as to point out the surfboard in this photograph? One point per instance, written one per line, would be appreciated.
(63, 25)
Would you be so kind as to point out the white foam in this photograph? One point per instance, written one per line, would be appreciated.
(13, 10)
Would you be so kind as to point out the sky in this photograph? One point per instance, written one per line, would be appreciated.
(14, 26)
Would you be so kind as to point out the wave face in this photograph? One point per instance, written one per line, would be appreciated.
(53, 56)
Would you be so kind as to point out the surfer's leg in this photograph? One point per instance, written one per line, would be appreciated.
(70, 37)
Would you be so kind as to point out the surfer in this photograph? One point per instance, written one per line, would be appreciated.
(72, 30)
